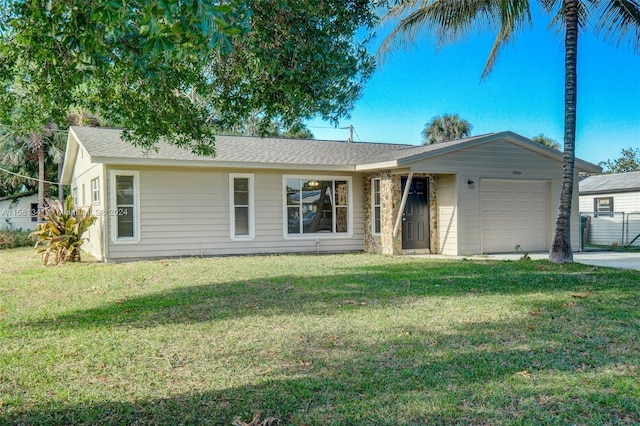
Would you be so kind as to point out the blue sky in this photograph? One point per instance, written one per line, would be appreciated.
(524, 93)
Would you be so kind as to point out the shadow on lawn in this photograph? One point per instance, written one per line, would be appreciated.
(407, 378)
(371, 285)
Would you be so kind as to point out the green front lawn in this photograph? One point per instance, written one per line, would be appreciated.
(317, 340)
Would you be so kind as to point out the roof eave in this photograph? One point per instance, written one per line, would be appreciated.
(377, 166)
(609, 191)
(70, 154)
(581, 165)
(586, 167)
(112, 161)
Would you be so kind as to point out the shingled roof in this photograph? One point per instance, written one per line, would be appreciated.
(107, 146)
(604, 184)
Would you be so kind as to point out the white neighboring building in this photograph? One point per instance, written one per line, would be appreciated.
(19, 211)
(611, 203)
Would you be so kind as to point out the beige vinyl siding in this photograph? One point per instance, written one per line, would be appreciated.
(185, 212)
(447, 215)
(495, 160)
(83, 172)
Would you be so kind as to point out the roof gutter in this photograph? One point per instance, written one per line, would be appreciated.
(219, 164)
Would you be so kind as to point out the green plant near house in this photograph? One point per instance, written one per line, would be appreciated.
(518, 249)
(61, 232)
(13, 238)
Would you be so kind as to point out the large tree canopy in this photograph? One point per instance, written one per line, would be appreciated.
(180, 69)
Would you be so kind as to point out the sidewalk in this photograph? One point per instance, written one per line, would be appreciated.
(612, 259)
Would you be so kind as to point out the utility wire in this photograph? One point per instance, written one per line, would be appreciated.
(41, 130)
(27, 177)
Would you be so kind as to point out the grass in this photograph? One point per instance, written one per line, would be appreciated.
(317, 340)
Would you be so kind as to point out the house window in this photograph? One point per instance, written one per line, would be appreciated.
(95, 190)
(241, 196)
(603, 206)
(34, 212)
(84, 200)
(375, 206)
(317, 206)
(125, 212)
(74, 195)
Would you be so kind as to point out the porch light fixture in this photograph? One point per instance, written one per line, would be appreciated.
(471, 184)
(313, 183)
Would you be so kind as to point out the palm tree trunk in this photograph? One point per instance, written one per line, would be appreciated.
(40, 180)
(561, 248)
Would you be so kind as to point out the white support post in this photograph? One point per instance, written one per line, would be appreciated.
(405, 195)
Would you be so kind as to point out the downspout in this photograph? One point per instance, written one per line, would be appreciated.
(405, 195)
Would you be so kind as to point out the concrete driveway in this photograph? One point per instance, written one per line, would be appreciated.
(609, 258)
(613, 259)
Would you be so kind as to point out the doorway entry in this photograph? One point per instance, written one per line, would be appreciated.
(415, 218)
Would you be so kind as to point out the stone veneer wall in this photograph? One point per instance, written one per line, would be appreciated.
(390, 201)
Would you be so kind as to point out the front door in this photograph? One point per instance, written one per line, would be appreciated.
(415, 218)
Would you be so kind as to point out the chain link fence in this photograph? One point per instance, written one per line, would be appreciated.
(609, 229)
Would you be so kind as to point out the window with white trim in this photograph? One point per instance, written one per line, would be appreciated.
(95, 190)
(375, 206)
(74, 195)
(125, 210)
(242, 211)
(317, 206)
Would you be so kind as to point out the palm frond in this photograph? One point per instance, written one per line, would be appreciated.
(452, 20)
(513, 15)
(558, 21)
(447, 20)
(620, 19)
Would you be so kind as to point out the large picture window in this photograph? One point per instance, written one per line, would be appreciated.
(375, 206)
(125, 212)
(317, 206)
(242, 216)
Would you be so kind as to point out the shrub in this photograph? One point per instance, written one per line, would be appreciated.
(61, 232)
(13, 238)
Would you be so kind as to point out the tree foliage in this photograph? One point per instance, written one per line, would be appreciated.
(257, 125)
(445, 128)
(629, 161)
(546, 141)
(181, 69)
(20, 156)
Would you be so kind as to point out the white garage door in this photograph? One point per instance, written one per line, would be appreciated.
(514, 213)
